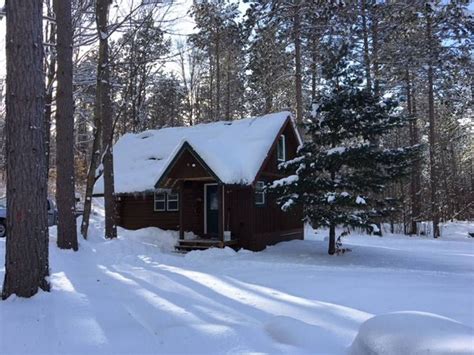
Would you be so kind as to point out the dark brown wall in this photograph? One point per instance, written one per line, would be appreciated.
(238, 214)
(193, 207)
(270, 169)
(272, 224)
(188, 166)
(137, 211)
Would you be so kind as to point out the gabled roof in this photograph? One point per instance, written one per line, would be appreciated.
(233, 150)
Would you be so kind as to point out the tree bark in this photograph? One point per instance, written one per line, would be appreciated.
(298, 70)
(218, 74)
(431, 135)
(93, 165)
(50, 78)
(375, 50)
(332, 239)
(365, 34)
(415, 182)
(26, 259)
(105, 108)
(65, 192)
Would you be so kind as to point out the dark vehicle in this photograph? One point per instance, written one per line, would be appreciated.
(52, 215)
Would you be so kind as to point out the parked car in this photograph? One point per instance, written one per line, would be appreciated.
(52, 215)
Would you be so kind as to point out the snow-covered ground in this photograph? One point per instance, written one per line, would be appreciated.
(134, 295)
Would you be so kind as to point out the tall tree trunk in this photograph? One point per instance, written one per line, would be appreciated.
(26, 259)
(105, 108)
(415, 182)
(298, 70)
(375, 50)
(365, 34)
(218, 76)
(95, 156)
(432, 134)
(227, 109)
(50, 78)
(65, 192)
(314, 74)
(93, 165)
(212, 111)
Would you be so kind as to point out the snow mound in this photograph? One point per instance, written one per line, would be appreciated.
(162, 239)
(211, 253)
(293, 332)
(412, 333)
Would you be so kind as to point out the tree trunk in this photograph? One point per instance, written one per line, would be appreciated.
(50, 77)
(65, 193)
(93, 165)
(375, 51)
(26, 259)
(105, 108)
(227, 108)
(365, 34)
(332, 239)
(431, 136)
(416, 170)
(298, 70)
(218, 76)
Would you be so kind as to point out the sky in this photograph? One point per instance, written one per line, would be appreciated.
(181, 28)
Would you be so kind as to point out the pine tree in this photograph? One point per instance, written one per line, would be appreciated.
(65, 190)
(26, 258)
(342, 170)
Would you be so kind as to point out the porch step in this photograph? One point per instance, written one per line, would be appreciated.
(202, 244)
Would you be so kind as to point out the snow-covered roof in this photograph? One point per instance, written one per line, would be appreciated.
(233, 150)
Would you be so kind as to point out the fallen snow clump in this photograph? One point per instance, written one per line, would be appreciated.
(412, 333)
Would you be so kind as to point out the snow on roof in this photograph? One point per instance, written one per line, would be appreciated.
(234, 150)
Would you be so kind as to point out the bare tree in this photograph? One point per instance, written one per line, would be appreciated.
(26, 262)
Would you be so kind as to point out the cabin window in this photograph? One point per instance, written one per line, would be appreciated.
(281, 148)
(260, 193)
(160, 201)
(166, 201)
(173, 202)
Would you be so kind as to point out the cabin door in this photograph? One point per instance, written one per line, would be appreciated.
(211, 208)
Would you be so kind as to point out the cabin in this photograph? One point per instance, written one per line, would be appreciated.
(208, 182)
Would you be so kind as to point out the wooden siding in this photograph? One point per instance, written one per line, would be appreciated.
(238, 208)
(193, 207)
(137, 211)
(270, 168)
(272, 224)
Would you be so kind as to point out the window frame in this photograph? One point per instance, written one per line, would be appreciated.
(281, 150)
(155, 200)
(260, 191)
(168, 200)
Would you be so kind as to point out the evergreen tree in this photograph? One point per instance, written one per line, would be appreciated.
(342, 170)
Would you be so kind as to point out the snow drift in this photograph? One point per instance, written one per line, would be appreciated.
(412, 333)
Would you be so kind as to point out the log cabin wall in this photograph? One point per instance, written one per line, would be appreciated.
(270, 169)
(238, 206)
(137, 211)
(193, 207)
(272, 224)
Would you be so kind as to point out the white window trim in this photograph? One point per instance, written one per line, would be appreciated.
(156, 200)
(260, 191)
(283, 138)
(173, 200)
